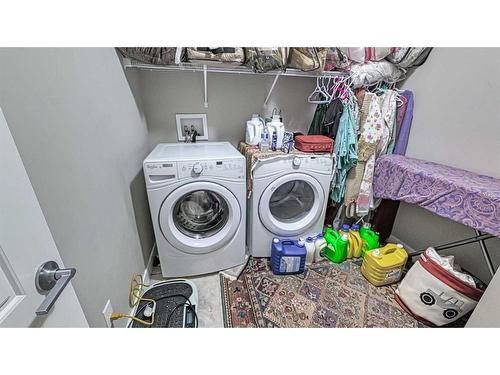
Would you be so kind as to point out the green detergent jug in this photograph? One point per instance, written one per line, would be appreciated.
(370, 238)
(336, 251)
(330, 236)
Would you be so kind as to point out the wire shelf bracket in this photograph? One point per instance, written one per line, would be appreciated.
(224, 68)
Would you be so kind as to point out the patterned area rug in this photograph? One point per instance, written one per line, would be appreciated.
(325, 295)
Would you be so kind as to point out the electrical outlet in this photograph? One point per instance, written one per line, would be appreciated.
(108, 310)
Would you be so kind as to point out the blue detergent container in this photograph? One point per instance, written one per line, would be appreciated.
(287, 257)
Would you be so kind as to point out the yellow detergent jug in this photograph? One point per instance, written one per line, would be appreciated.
(384, 265)
(356, 243)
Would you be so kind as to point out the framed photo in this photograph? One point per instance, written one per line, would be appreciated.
(187, 124)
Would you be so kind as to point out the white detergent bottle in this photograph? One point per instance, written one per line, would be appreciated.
(319, 245)
(276, 126)
(254, 130)
(310, 249)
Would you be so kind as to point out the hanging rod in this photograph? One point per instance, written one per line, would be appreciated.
(224, 68)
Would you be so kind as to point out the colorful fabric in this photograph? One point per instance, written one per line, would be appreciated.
(325, 295)
(462, 196)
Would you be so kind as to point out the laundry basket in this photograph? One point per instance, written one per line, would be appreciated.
(435, 293)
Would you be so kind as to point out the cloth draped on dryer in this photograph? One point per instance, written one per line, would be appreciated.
(253, 156)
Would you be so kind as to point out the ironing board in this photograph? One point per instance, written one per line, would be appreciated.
(465, 197)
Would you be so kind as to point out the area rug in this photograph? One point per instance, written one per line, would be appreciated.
(325, 295)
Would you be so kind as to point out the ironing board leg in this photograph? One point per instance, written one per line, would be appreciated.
(486, 255)
(478, 238)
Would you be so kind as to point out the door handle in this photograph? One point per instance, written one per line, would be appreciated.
(53, 279)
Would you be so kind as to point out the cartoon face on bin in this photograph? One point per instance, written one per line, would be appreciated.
(451, 306)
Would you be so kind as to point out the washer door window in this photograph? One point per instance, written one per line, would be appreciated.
(201, 213)
(199, 217)
(291, 204)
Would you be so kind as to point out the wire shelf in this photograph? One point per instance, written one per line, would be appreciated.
(224, 68)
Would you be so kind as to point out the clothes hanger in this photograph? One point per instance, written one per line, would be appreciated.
(336, 85)
(318, 92)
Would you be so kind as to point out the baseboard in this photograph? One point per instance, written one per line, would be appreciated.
(394, 239)
(146, 277)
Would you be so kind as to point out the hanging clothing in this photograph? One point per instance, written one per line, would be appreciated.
(371, 132)
(365, 101)
(401, 112)
(392, 143)
(332, 118)
(345, 148)
(389, 108)
(371, 129)
(388, 111)
(404, 133)
(316, 127)
(376, 131)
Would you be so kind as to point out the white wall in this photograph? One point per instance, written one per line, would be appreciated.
(456, 122)
(82, 140)
(232, 99)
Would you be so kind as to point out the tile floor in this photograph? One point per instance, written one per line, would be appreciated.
(209, 308)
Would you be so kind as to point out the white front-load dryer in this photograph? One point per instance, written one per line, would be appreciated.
(197, 198)
(288, 200)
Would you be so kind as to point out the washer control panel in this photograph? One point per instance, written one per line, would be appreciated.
(230, 168)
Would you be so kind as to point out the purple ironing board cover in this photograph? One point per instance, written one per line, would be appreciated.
(459, 195)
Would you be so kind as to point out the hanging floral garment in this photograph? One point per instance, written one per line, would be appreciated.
(373, 142)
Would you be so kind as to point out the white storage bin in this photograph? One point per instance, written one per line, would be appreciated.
(434, 293)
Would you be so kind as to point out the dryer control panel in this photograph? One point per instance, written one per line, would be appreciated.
(295, 163)
(230, 168)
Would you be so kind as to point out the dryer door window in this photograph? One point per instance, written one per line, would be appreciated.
(201, 213)
(292, 201)
(291, 204)
(199, 217)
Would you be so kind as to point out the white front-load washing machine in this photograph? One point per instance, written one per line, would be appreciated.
(288, 200)
(197, 198)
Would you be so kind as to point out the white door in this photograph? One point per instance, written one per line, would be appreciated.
(25, 244)
(199, 217)
(291, 204)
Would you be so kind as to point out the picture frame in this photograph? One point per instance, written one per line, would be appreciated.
(189, 121)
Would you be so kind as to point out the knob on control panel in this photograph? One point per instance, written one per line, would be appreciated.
(296, 162)
(197, 168)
